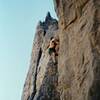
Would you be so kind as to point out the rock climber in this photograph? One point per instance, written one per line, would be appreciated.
(53, 48)
(57, 46)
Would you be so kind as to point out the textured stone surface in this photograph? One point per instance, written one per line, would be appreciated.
(37, 78)
(77, 74)
(48, 87)
(79, 54)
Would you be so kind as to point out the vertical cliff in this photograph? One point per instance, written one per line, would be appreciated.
(79, 54)
(42, 76)
(75, 76)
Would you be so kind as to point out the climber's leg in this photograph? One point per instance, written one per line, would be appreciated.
(53, 57)
(52, 53)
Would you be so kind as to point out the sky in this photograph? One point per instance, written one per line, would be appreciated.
(18, 20)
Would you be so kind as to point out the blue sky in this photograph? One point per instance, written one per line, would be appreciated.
(18, 20)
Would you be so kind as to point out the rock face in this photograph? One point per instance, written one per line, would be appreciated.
(76, 75)
(79, 54)
(42, 77)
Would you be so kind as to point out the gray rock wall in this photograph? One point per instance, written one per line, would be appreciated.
(42, 75)
(76, 75)
(79, 54)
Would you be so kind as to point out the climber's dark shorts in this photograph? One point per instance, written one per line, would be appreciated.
(51, 50)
